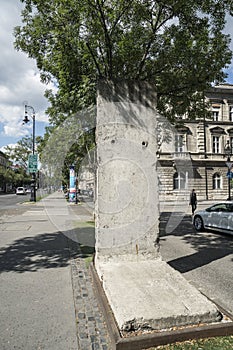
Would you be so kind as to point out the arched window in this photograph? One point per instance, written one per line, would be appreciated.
(179, 181)
(217, 181)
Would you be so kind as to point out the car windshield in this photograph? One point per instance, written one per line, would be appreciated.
(221, 207)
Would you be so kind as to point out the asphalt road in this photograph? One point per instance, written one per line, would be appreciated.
(10, 204)
(205, 259)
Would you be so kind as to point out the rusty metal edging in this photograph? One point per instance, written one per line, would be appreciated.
(107, 312)
(145, 341)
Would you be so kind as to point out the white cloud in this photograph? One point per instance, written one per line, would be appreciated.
(19, 79)
(3, 149)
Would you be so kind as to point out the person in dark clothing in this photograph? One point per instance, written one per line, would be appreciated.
(193, 201)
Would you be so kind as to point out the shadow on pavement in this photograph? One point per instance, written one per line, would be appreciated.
(45, 251)
(183, 223)
(208, 246)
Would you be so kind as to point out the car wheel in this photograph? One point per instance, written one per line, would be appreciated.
(198, 223)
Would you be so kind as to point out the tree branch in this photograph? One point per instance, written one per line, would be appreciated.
(94, 59)
(107, 39)
(155, 27)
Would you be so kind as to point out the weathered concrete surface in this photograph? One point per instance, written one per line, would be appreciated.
(142, 290)
(126, 191)
(150, 294)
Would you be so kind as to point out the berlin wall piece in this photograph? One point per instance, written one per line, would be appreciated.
(142, 290)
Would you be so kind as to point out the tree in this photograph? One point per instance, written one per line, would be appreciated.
(67, 145)
(19, 155)
(20, 152)
(6, 177)
(178, 45)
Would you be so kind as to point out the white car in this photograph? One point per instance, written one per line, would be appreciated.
(20, 190)
(218, 217)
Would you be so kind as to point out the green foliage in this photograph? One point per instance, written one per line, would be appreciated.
(6, 177)
(12, 177)
(19, 155)
(20, 152)
(68, 144)
(218, 343)
(177, 45)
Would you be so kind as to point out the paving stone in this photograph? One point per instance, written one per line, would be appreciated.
(91, 329)
(105, 347)
(81, 315)
(92, 332)
(85, 345)
(91, 318)
(95, 346)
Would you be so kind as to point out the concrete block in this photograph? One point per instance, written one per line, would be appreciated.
(152, 295)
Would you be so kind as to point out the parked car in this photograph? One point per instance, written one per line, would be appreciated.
(218, 217)
(20, 190)
(28, 190)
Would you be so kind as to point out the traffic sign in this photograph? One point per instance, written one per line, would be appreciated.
(32, 163)
(229, 174)
(229, 164)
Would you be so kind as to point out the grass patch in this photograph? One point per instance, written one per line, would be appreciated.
(217, 343)
(88, 260)
(38, 198)
(81, 224)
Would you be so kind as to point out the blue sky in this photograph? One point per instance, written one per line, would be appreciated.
(20, 80)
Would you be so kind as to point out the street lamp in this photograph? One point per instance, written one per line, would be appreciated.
(26, 120)
(227, 150)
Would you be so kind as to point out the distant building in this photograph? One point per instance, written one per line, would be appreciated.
(4, 161)
(195, 155)
(86, 178)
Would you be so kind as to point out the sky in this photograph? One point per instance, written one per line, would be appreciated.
(20, 80)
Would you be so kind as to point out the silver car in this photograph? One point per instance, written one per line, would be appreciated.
(218, 217)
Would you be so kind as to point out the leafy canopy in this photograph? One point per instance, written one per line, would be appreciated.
(20, 152)
(178, 45)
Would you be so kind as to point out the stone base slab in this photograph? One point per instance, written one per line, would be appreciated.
(152, 295)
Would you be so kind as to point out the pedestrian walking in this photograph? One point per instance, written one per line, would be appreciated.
(193, 201)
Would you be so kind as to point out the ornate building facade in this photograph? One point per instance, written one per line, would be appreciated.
(198, 153)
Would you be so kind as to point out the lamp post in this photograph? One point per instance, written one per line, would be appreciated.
(26, 120)
(227, 150)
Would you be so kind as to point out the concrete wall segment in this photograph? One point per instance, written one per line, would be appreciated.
(127, 192)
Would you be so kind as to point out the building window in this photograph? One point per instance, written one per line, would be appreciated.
(215, 113)
(179, 181)
(231, 113)
(216, 144)
(217, 181)
(231, 144)
(179, 143)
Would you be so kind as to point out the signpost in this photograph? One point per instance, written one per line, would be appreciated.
(229, 165)
(32, 169)
(32, 163)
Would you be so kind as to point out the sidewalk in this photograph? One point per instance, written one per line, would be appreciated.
(46, 290)
(47, 294)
